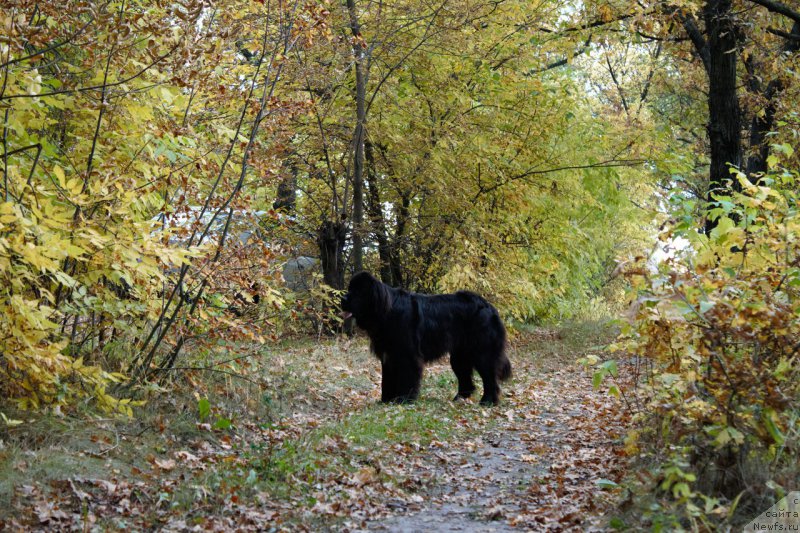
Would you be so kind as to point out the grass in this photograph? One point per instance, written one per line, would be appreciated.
(51, 448)
(312, 417)
(552, 348)
(306, 427)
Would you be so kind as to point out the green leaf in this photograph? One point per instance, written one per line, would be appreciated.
(10, 422)
(770, 417)
(784, 149)
(728, 435)
(597, 379)
(610, 367)
(617, 523)
(784, 365)
(705, 306)
(681, 490)
(204, 409)
(772, 161)
(222, 423)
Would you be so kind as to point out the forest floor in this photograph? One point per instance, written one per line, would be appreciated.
(306, 446)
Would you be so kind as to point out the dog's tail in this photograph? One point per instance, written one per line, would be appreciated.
(503, 368)
(502, 365)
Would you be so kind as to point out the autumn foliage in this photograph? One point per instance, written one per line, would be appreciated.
(142, 140)
(719, 329)
(118, 119)
(168, 169)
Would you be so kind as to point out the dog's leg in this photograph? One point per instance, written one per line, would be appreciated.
(401, 380)
(388, 380)
(462, 368)
(491, 390)
(410, 380)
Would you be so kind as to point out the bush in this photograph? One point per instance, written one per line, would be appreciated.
(721, 328)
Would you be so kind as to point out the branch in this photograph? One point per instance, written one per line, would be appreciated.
(646, 88)
(561, 62)
(648, 37)
(777, 7)
(103, 106)
(5, 155)
(267, 95)
(38, 147)
(593, 24)
(784, 34)
(603, 164)
(18, 150)
(609, 163)
(589, 25)
(402, 61)
(96, 87)
(617, 85)
(50, 48)
(700, 44)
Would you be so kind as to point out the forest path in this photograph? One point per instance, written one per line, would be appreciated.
(547, 464)
(310, 448)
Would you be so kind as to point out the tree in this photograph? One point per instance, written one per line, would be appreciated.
(465, 152)
(118, 120)
(737, 44)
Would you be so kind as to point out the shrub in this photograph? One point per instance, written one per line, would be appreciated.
(720, 327)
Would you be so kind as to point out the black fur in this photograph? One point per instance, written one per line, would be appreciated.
(407, 330)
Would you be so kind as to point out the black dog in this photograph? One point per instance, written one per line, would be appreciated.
(407, 329)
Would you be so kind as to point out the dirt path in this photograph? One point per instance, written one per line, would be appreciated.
(547, 464)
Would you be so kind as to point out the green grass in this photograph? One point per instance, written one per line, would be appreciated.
(362, 437)
(311, 420)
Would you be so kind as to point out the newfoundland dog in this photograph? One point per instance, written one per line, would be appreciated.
(407, 329)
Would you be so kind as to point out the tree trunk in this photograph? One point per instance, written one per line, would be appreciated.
(399, 239)
(331, 238)
(724, 115)
(359, 55)
(375, 212)
(286, 195)
(761, 125)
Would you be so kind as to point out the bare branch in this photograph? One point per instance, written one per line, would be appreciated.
(609, 163)
(594, 24)
(784, 34)
(700, 43)
(564, 61)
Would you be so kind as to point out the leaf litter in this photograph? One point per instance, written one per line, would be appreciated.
(548, 459)
(546, 465)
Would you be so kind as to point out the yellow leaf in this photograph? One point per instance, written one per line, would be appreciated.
(59, 172)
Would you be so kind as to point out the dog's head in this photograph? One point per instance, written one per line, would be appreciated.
(367, 300)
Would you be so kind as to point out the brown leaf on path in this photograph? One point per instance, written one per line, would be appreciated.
(47, 511)
(365, 476)
(165, 464)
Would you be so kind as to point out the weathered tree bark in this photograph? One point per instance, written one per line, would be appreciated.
(398, 241)
(724, 113)
(719, 50)
(359, 56)
(331, 238)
